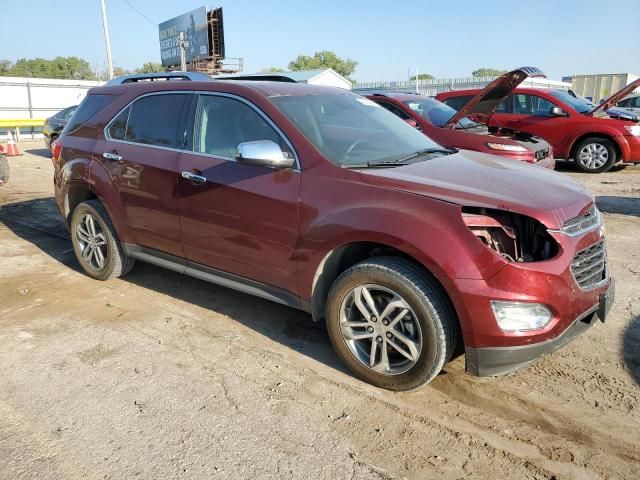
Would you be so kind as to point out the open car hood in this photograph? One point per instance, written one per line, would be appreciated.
(482, 106)
(619, 95)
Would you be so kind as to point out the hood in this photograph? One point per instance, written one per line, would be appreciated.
(619, 95)
(622, 114)
(475, 179)
(487, 100)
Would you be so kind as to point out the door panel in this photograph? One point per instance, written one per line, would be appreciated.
(530, 113)
(243, 219)
(143, 167)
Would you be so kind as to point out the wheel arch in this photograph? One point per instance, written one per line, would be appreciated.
(592, 134)
(77, 192)
(344, 256)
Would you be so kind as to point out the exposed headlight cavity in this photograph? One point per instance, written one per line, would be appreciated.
(515, 237)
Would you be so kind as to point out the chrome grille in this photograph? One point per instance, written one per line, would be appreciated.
(583, 222)
(589, 266)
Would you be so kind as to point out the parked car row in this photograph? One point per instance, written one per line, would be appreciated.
(54, 125)
(320, 199)
(576, 129)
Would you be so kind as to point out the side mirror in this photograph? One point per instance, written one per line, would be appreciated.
(411, 122)
(557, 112)
(263, 152)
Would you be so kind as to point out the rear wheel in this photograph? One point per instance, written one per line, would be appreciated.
(4, 169)
(391, 323)
(95, 242)
(595, 155)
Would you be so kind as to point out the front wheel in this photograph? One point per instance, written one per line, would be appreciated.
(391, 323)
(595, 155)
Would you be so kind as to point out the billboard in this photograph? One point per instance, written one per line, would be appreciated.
(194, 26)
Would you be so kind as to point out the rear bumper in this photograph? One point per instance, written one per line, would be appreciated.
(496, 361)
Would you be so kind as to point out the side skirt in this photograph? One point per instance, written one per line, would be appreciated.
(212, 275)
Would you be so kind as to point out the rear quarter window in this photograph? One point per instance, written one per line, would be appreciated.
(91, 105)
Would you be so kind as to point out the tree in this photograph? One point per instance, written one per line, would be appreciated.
(272, 70)
(423, 76)
(324, 59)
(60, 67)
(150, 67)
(487, 72)
(5, 66)
(119, 71)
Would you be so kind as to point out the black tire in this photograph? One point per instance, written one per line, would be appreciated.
(432, 308)
(116, 262)
(600, 144)
(4, 169)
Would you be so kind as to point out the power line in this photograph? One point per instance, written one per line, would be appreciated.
(140, 13)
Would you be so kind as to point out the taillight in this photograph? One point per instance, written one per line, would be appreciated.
(56, 150)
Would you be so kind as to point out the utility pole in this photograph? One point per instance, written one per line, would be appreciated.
(183, 52)
(107, 42)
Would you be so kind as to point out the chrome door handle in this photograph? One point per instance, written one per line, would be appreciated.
(112, 156)
(193, 177)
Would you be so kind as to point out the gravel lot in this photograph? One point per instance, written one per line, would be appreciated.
(158, 375)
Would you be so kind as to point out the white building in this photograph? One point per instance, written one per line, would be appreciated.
(326, 76)
(434, 86)
(600, 86)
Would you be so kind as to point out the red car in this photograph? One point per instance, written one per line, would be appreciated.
(319, 199)
(574, 127)
(448, 127)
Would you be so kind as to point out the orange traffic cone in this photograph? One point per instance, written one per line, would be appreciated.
(12, 147)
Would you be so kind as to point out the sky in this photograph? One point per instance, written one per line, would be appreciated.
(445, 39)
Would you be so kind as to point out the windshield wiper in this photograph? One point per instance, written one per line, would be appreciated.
(428, 151)
(374, 164)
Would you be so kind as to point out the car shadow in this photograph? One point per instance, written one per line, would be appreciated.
(285, 325)
(570, 166)
(619, 205)
(40, 152)
(631, 349)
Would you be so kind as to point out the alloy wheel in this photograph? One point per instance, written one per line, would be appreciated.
(92, 242)
(380, 329)
(593, 156)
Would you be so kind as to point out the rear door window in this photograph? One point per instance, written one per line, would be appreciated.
(152, 120)
(91, 105)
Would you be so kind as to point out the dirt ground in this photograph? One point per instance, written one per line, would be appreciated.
(161, 376)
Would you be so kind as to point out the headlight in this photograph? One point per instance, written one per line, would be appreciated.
(633, 130)
(506, 148)
(520, 316)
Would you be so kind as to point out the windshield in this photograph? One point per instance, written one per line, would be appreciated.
(349, 129)
(437, 113)
(579, 104)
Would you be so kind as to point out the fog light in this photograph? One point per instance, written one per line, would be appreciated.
(520, 316)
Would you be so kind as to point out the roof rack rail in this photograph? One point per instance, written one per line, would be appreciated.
(258, 77)
(164, 76)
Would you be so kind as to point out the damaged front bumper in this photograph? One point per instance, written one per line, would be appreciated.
(496, 361)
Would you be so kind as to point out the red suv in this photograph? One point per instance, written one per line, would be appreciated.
(575, 128)
(320, 199)
(448, 127)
